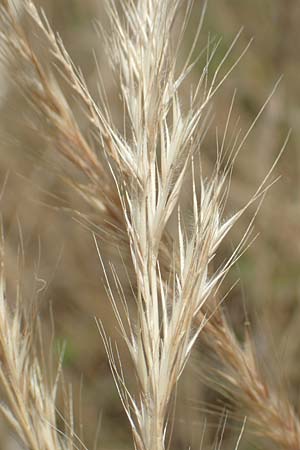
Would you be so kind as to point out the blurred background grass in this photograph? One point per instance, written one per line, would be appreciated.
(55, 258)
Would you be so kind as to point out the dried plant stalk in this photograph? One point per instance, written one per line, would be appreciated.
(30, 405)
(269, 412)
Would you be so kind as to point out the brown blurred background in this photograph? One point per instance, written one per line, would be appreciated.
(58, 261)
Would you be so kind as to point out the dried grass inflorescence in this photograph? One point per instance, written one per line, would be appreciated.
(134, 182)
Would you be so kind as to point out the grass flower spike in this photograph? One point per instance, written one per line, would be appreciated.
(133, 180)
